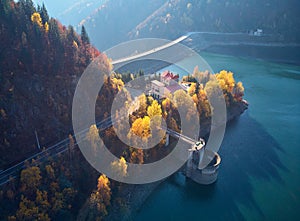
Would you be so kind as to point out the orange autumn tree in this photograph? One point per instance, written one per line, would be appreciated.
(103, 187)
(202, 102)
(100, 199)
(137, 156)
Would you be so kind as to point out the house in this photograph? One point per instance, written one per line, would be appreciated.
(157, 89)
(169, 78)
(258, 32)
(168, 84)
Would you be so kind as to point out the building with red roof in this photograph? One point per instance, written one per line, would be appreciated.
(168, 78)
(168, 84)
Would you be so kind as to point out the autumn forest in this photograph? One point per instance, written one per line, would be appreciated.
(41, 61)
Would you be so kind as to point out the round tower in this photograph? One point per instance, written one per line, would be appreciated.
(208, 174)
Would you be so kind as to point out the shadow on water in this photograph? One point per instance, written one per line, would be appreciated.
(248, 153)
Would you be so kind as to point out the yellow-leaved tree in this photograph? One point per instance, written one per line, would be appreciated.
(120, 167)
(36, 18)
(166, 107)
(141, 127)
(117, 84)
(185, 102)
(154, 109)
(203, 103)
(155, 113)
(201, 77)
(46, 26)
(192, 89)
(137, 156)
(93, 137)
(142, 101)
(100, 199)
(238, 91)
(30, 180)
(226, 81)
(103, 187)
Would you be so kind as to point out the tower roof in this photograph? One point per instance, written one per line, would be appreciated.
(169, 75)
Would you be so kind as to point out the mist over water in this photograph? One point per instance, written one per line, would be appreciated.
(260, 172)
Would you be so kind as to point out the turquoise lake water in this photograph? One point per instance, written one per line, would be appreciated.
(259, 178)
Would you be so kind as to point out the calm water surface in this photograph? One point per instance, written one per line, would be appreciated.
(259, 178)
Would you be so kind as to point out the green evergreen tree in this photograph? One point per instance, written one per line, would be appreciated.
(4, 7)
(44, 13)
(71, 36)
(53, 30)
(28, 7)
(84, 36)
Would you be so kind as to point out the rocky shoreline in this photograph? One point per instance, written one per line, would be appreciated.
(136, 195)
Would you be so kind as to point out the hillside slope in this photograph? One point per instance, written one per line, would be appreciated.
(181, 16)
(111, 22)
(40, 63)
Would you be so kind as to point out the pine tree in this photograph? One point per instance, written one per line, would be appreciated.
(44, 13)
(71, 36)
(84, 36)
(28, 7)
(4, 7)
(54, 33)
